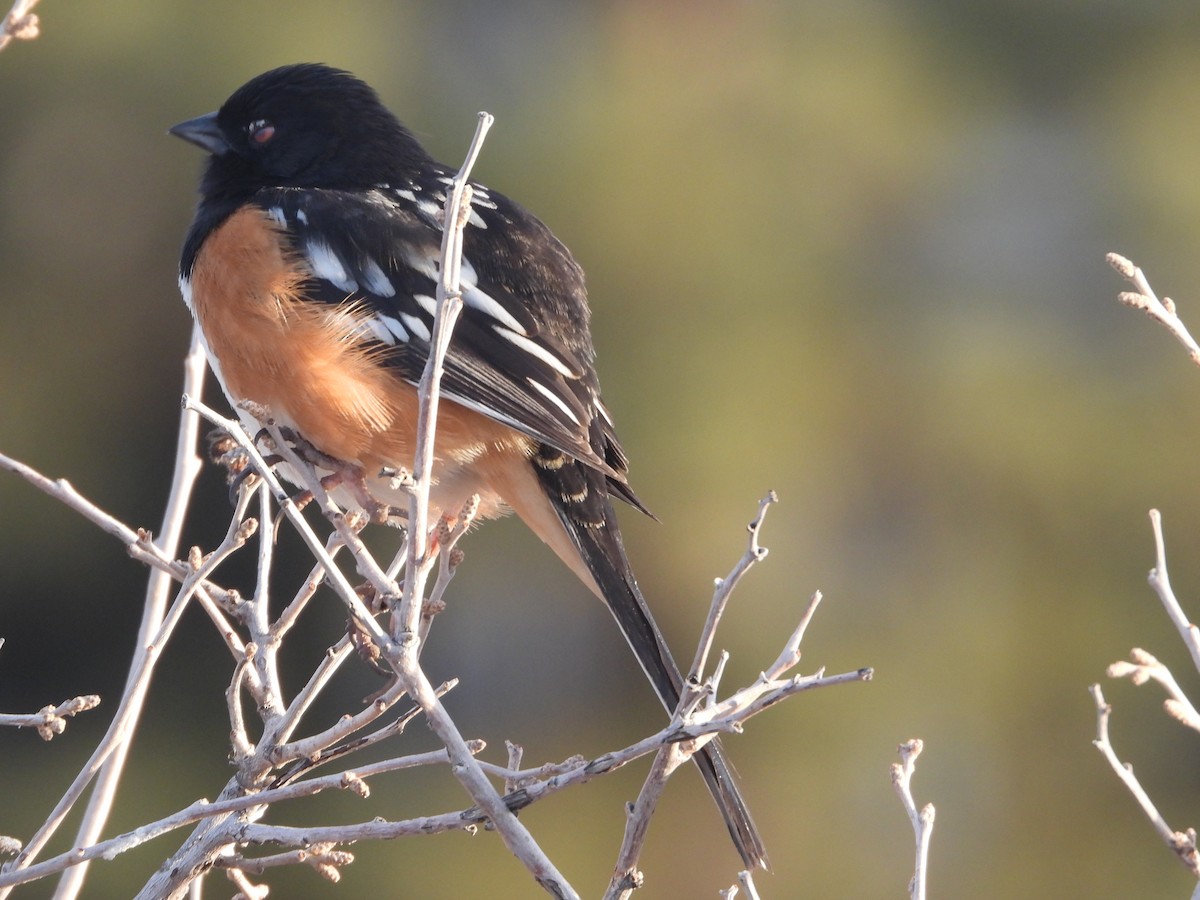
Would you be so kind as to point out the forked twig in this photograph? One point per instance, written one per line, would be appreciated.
(1144, 298)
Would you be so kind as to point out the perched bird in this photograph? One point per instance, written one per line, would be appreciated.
(311, 269)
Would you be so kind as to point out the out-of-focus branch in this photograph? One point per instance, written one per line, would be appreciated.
(1161, 583)
(921, 819)
(1144, 666)
(21, 23)
(746, 883)
(1144, 298)
(156, 624)
(183, 480)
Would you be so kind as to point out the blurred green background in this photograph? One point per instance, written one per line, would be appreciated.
(852, 251)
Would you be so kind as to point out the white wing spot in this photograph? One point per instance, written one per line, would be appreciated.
(476, 220)
(326, 264)
(485, 303)
(553, 398)
(276, 213)
(427, 303)
(378, 329)
(376, 280)
(406, 195)
(424, 263)
(536, 350)
(481, 197)
(381, 196)
(302, 217)
(429, 209)
(393, 325)
(415, 325)
(603, 411)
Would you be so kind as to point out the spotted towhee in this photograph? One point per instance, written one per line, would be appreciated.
(311, 268)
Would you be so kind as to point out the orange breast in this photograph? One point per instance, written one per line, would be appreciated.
(309, 362)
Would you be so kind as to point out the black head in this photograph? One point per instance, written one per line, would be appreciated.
(304, 125)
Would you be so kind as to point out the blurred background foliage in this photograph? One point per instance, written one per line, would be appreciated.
(850, 250)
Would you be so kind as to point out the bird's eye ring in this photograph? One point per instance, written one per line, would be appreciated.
(260, 131)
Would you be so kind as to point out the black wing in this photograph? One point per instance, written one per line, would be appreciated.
(521, 351)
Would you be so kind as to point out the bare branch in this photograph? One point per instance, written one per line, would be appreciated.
(335, 577)
(406, 619)
(922, 820)
(1182, 843)
(201, 810)
(724, 588)
(51, 720)
(1161, 584)
(155, 628)
(322, 857)
(693, 726)
(275, 759)
(20, 24)
(626, 878)
(1146, 668)
(1144, 298)
(746, 883)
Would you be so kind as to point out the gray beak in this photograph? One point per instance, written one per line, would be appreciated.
(204, 132)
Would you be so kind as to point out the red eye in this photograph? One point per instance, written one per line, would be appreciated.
(261, 131)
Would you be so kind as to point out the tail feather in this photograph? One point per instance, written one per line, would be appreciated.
(604, 554)
(579, 498)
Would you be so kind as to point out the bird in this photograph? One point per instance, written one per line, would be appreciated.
(311, 269)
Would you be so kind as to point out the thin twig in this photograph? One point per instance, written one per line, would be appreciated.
(321, 857)
(406, 618)
(1161, 583)
(1145, 667)
(153, 629)
(335, 577)
(1144, 298)
(123, 721)
(20, 24)
(269, 697)
(724, 588)
(746, 883)
(922, 819)
(347, 527)
(316, 577)
(626, 877)
(51, 721)
(1181, 843)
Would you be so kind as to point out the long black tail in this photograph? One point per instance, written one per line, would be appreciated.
(598, 540)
